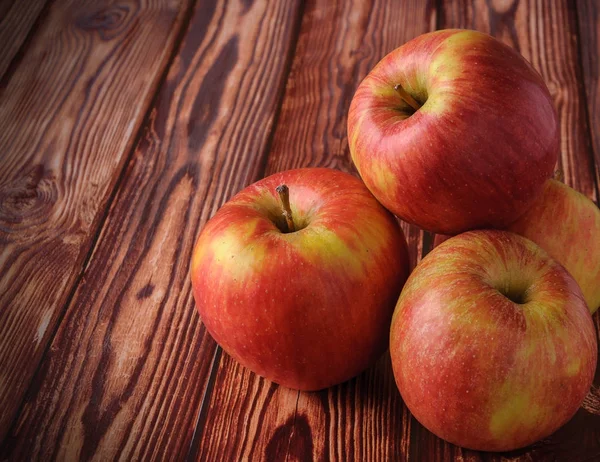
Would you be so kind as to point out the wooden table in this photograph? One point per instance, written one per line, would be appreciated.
(124, 125)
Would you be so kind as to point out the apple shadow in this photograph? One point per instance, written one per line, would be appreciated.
(366, 413)
(577, 440)
(371, 405)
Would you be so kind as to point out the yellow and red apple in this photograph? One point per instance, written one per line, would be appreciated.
(492, 344)
(454, 131)
(566, 224)
(297, 277)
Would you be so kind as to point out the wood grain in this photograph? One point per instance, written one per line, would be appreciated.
(69, 115)
(16, 20)
(131, 372)
(127, 370)
(588, 15)
(249, 418)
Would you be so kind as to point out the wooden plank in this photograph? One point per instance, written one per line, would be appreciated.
(126, 373)
(249, 418)
(588, 15)
(69, 116)
(546, 34)
(16, 21)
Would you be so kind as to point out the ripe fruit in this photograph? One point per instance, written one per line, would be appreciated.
(454, 131)
(310, 308)
(492, 344)
(566, 224)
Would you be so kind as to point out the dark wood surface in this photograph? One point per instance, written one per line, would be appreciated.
(124, 125)
(68, 115)
(17, 20)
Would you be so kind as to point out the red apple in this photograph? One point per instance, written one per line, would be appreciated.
(566, 224)
(454, 131)
(492, 344)
(310, 308)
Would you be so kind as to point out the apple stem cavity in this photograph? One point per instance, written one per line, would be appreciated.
(286, 210)
(407, 98)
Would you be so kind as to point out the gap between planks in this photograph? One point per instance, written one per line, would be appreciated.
(24, 46)
(583, 94)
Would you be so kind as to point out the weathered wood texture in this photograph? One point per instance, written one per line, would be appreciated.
(363, 419)
(589, 34)
(255, 87)
(69, 115)
(127, 370)
(17, 17)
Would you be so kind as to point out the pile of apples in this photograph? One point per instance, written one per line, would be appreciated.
(303, 277)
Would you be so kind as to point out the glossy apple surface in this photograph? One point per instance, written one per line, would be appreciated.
(566, 224)
(478, 150)
(492, 344)
(306, 309)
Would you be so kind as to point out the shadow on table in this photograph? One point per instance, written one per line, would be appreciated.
(577, 440)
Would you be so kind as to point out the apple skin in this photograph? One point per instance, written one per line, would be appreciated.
(308, 309)
(478, 151)
(479, 370)
(566, 224)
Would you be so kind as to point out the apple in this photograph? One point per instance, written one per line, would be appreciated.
(454, 131)
(566, 224)
(492, 344)
(298, 275)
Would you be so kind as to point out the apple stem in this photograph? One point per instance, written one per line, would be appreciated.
(286, 211)
(407, 98)
(559, 176)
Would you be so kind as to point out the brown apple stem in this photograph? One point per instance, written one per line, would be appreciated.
(286, 211)
(407, 98)
(559, 176)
